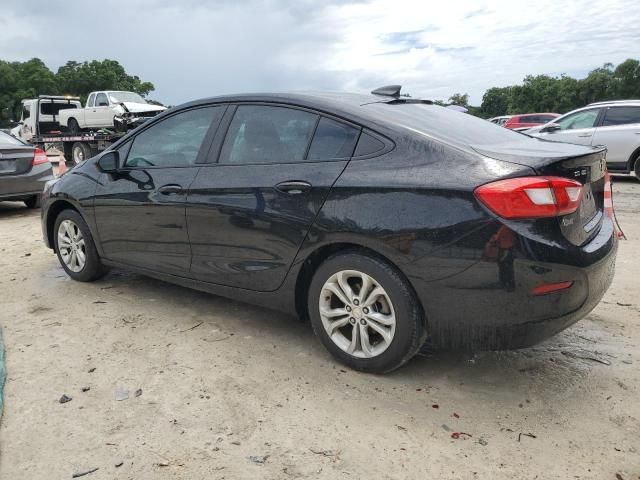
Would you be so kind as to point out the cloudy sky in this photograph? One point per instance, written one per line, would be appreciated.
(198, 48)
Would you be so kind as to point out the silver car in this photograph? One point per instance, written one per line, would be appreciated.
(24, 169)
(615, 124)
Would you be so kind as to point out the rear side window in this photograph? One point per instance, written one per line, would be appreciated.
(265, 134)
(175, 141)
(621, 116)
(367, 145)
(91, 99)
(332, 140)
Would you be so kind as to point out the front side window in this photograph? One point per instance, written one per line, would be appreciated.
(584, 119)
(621, 116)
(332, 140)
(265, 134)
(101, 100)
(175, 141)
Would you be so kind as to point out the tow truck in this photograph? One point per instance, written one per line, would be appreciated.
(39, 125)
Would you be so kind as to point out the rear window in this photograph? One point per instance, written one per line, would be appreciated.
(621, 116)
(445, 124)
(332, 140)
(47, 108)
(6, 139)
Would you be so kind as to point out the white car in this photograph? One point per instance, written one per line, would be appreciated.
(40, 115)
(109, 109)
(615, 124)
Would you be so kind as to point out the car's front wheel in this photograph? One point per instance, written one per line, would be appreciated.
(33, 202)
(365, 312)
(75, 247)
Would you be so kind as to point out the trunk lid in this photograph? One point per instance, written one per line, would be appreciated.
(586, 165)
(15, 160)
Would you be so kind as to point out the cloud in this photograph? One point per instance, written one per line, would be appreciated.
(198, 48)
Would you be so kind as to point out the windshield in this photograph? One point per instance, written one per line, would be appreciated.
(453, 127)
(117, 97)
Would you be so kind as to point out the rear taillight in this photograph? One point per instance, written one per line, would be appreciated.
(531, 197)
(39, 157)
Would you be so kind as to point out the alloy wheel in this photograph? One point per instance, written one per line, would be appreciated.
(357, 313)
(71, 245)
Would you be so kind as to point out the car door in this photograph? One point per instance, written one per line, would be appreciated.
(577, 127)
(140, 209)
(620, 133)
(101, 114)
(249, 213)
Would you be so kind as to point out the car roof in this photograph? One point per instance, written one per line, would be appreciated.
(615, 102)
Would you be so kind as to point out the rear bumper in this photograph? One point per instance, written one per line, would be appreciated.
(26, 184)
(490, 306)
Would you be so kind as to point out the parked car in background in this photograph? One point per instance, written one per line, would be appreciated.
(348, 209)
(24, 169)
(501, 120)
(529, 120)
(109, 109)
(615, 125)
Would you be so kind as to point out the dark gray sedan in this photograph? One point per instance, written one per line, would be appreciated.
(24, 169)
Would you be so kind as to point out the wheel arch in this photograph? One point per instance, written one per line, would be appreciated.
(317, 256)
(633, 158)
(53, 211)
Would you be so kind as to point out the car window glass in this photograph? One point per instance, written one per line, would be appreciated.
(48, 108)
(26, 111)
(90, 101)
(6, 139)
(264, 134)
(367, 145)
(332, 140)
(101, 98)
(175, 141)
(621, 116)
(584, 119)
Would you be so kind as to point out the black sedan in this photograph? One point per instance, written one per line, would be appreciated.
(386, 220)
(24, 170)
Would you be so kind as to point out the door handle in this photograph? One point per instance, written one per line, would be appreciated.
(169, 189)
(293, 187)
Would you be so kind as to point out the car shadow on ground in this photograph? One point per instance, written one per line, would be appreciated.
(512, 373)
(16, 209)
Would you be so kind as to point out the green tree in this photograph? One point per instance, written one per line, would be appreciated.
(495, 102)
(461, 99)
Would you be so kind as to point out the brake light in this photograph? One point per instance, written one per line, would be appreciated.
(531, 197)
(39, 157)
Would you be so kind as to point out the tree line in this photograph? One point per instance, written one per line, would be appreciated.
(560, 94)
(20, 80)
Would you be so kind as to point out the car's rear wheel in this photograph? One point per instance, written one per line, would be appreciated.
(33, 202)
(72, 126)
(636, 168)
(365, 312)
(75, 247)
(80, 152)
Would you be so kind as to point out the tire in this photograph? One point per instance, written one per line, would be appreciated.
(397, 313)
(72, 126)
(80, 152)
(33, 202)
(67, 226)
(636, 168)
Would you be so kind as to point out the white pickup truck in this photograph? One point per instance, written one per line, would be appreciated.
(109, 109)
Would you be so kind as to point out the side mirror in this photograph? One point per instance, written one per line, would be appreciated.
(552, 127)
(109, 162)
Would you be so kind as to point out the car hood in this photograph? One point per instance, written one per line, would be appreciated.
(142, 107)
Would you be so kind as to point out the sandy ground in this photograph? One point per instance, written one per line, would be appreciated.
(250, 393)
